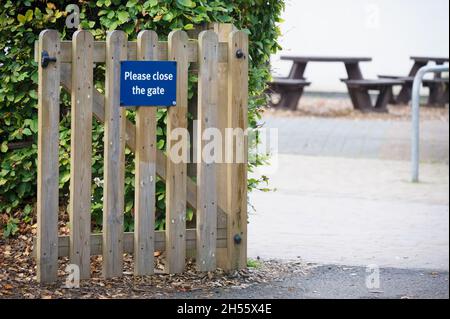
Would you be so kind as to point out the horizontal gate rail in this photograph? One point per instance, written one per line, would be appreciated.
(160, 242)
(162, 51)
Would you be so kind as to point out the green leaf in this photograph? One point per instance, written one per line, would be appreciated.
(29, 15)
(34, 125)
(4, 147)
(34, 77)
(113, 25)
(129, 206)
(131, 3)
(186, 3)
(11, 227)
(22, 19)
(160, 144)
(168, 16)
(33, 94)
(21, 189)
(123, 16)
(65, 177)
(28, 209)
(189, 214)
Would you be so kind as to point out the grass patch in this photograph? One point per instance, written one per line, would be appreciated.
(251, 263)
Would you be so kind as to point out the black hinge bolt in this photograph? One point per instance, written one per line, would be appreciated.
(46, 59)
(237, 239)
(240, 54)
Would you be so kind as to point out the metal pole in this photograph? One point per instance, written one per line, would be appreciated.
(416, 115)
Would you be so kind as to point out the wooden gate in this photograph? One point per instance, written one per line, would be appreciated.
(219, 195)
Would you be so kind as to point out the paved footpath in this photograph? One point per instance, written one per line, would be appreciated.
(343, 197)
(353, 212)
(376, 139)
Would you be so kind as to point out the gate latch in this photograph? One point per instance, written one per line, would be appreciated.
(46, 59)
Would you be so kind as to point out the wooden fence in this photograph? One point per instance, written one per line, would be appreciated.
(219, 196)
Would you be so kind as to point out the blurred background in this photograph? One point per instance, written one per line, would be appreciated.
(388, 31)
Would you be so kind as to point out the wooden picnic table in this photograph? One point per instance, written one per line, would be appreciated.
(351, 64)
(427, 59)
(358, 87)
(436, 94)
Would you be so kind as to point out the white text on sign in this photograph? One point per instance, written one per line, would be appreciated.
(148, 76)
(149, 91)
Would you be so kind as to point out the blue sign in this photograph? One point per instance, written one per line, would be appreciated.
(148, 83)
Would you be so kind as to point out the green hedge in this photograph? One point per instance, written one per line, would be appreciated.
(20, 24)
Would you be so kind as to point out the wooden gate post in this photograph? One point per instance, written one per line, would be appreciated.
(176, 179)
(206, 170)
(81, 151)
(237, 170)
(145, 180)
(48, 158)
(114, 171)
(223, 30)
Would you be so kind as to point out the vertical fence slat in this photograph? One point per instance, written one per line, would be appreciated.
(81, 151)
(176, 171)
(237, 172)
(48, 160)
(223, 30)
(206, 169)
(144, 214)
(114, 170)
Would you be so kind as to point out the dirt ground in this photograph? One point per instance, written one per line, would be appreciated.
(343, 108)
(18, 277)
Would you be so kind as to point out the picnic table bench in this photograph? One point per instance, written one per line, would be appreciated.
(290, 90)
(383, 86)
(439, 89)
(358, 87)
(438, 86)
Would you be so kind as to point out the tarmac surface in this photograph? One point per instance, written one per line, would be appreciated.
(343, 282)
(343, 200)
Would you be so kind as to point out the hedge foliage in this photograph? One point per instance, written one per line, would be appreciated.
(20, 24)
